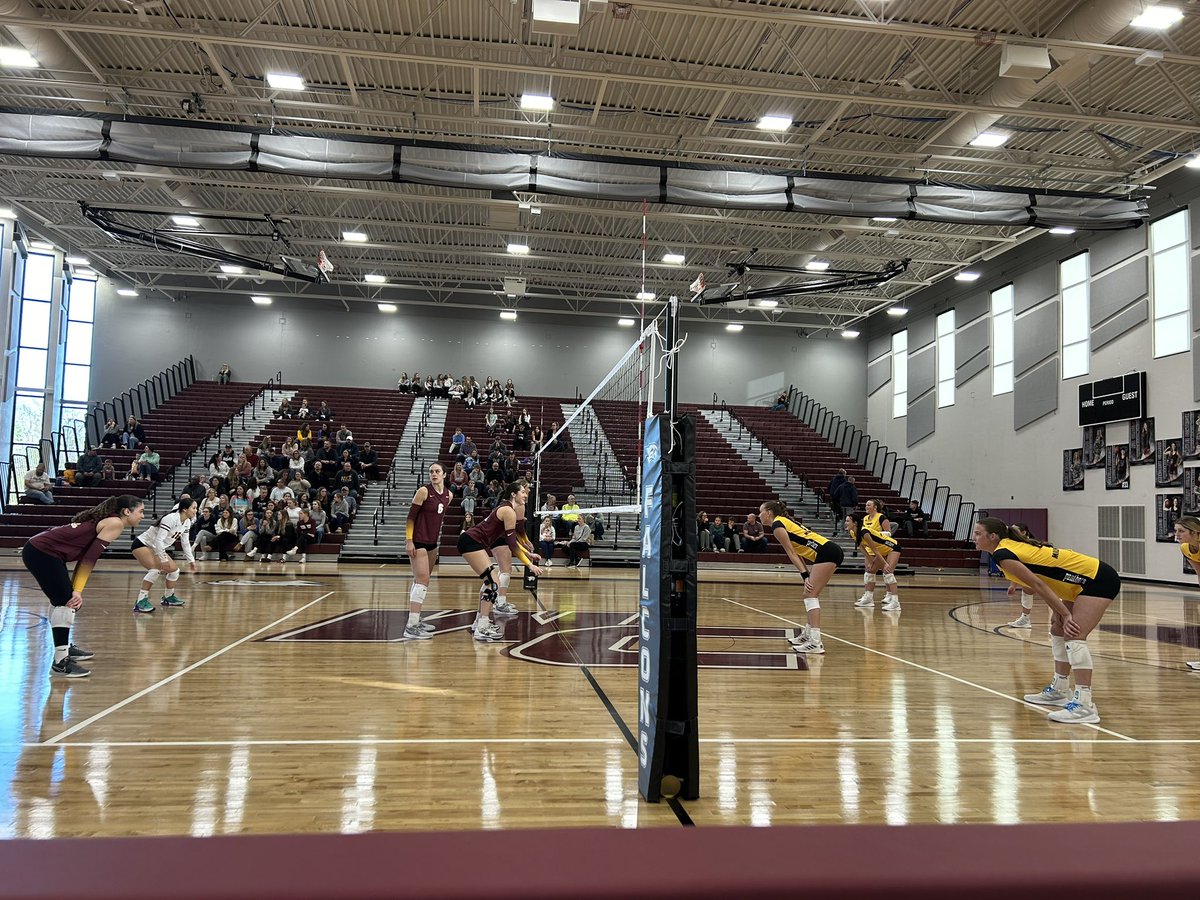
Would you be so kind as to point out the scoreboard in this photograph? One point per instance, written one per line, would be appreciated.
(1113, 399)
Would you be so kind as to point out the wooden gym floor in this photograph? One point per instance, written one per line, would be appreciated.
(287, 704)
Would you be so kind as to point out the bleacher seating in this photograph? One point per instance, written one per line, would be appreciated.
(815, 460)
(174, 429)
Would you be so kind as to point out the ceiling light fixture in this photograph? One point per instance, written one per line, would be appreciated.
(673, 259)
(1159, 18)
(1062, 229)
(537, 102)
(734, 326)
(127, 292)
(281, 81)
(817, 265)
(884, 219)
(646, 296)
(7, 213)
(768, 304)
(774, 123)
(386, 307)
(518, 249)
(967, 276)
(849, 334)
(374, 278)
(17, 58)
(232, 270)
(260, 300)
(625, 323)
(989, 139)
(897, 310)
(508, 315)
(1194, 162)
(354, 237)
(77, 260)
(186, 221)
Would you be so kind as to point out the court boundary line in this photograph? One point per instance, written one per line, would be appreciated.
(146, 690)
(924, 668)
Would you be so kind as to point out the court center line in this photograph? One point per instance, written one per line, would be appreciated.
(916, 665)
(144, 691)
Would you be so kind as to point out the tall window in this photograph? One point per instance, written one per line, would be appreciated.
(945, 359)
(77, 354)
(1002, 340)
(1076, 316)
(33, 348)
(1169, 284)
(899, 374)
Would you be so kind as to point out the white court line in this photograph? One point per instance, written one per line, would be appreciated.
(916, 665)
(144, 691)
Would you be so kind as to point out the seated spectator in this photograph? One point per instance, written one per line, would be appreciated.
(277, 461)
(133, 474)
(468, 521)
(320, 520)
(239, 502)
(203, 532)
(468, 447)
(304, 432)
(580, 539)
(512, 466)
(148, 463)
(472, 462)
(417, 385)
(521, 436)
(475, 473)
(89, 469)
(319, 477)
(228, 532)
(112, 434)
(491, 421)
(37, 485)
(914, 522)
(303, 412)
(347, 478)
(212, 500)
(306, 534)
(546, 538)
(536, 439)
(281, 491)
(568, 510)
(292, 508)
(324, 413)
(339, 512)
(457, 390)
(218, 468)
(247, 533)
(368, 462)
(471, 392)
(404, 386)
(510, 422)
(299, 486)
(469, 495)
(596, 523)
(284, 410)
(498, 452)
(457, 479)
(134, 434)
(296, 466)
(240, 472)
(754, 538)
(224, 374)
(456, 442)
(780, 402)
(723, 537)
(108, 471)
(703, 532)
(510, 391)
(263, 474)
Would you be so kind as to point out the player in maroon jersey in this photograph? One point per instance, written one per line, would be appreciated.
(475, 544)
(423, 533)
(504, 559)
(81, 542)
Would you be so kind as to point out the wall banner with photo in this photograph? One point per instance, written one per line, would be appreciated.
(1073, 470)
(1169, 507)
(1191, 491)
(1116, 467)
(1093, 446)
(1141, 442)
(1191, 434)
(1168, 467)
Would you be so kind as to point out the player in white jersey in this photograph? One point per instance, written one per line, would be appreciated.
(152, 548)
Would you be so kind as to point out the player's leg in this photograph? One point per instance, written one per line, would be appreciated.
(504, 560)
(148, 559)
(891, 603)
(1058, 691)
(870, 562)
(54, 580)
(1086, 612)
(422, 568)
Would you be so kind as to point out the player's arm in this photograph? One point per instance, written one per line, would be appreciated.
(781, 535)
(414, 510)
(508, 519)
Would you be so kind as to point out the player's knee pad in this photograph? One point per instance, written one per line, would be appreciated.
(487, 576)
(172, 576)
(416, 594)
(1027, 600)
(868, 577)
(151, 575)
(811, 603)
(505, 577)
(1079, 655)
(61, 617)
(1058, 646)
(889, 578)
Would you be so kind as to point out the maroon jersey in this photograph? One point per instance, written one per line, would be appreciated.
(70, 542)
(427, 523)
(490, 531)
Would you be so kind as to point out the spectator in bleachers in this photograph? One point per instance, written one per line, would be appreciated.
(345, 441)
(495, 472)
(304, 432)
(724, 538)
(263, 474)
(498, 452)
(536, 439)
(521, 436)
(228, 532)
(306, 534)
(596, 523)
(845, 500)
(203, 532)
(339, 512)
(577, 541)
(780, 402)
(458, 479)
(417, 386)
(569, 514)
(754, 538)
(510, 422)
(913, 520)
(491, 421)
(300, 486)
(468, 521)
(284, 410)
(224, 374)
(133, 434)
(108, 471)
(492, 497)
(240, 473)
(37, 485)
(469, 495)
(227, 454)
(368, 462)
(148, 463)
(551, 504)
(546, 538)
(218, 468)
(212, 499)
(430, 387)
(512, 466)
(296, 463)
(277, 461)
(247, 533)
(320, 520)
(280, 491)
(324, 413)
(472, 462)
(112, 434)
(510, 392)
(347, 478)
(319, 477)
(239, 502)
(89, 469)
(303, 411)
(456, 442)
(347, 457)
(471, 392)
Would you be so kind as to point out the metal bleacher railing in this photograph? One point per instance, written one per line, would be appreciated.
(956, 515)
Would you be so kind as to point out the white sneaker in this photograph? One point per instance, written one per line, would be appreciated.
(485, 635)
(814, 647)
(891, 604)
(1021, 621)
(303, 557)
(864, 602)
(293, 551)
(801, 636)
(416, 633)
(546, 563)
(251, 553)
(1194, 666)
(426, 627)
(1075, 713)
(504, 609)
(1048, 696)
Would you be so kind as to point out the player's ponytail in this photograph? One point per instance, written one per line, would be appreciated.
(775, 507)
(107, 508)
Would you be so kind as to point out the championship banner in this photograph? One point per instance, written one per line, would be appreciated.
(652, 661)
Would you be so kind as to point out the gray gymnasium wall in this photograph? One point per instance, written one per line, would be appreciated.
(1007, 450)
(136, 337)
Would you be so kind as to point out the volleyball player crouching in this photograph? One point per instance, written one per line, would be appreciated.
(881, 553)
(475, 544)
(82, 541)
(815, 556)
(1187, 532)
(1078, 589)
(423, 533)
(504, 559)
(152, 548)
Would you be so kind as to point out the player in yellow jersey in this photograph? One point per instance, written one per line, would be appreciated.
(1187, 532)
(1078, 589)
(872, 532)
(815, 556)
(881, 553)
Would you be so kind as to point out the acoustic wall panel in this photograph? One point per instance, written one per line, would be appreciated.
(1113, 248)
(1194, 224)
(1035, 337)
(971, 368)
(1035, 393)
(1126, 320)
(920, 332)
(878, 346)
(971, 308)
(1113, 292)
(920, 419)
(1034, 287)
(922, 371)
(879, 373)
(1196, 287)
(972, 340)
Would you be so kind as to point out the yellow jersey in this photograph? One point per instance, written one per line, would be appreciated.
(1064, 571)
(1194, 557)
(806, 543)
(877, 536)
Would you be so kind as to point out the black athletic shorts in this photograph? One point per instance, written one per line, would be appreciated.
(51, 574)
(135, 543)
(1106, 584)
(421, 545)
(468, 544)
(829, 552)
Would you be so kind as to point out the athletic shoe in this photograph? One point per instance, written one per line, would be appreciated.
(293, 551)
(1075, 713)
(1021, 621)
(171, 600)
(200, 556)
(303, 557)
(864, 602)
(416, 633)
(546, 564)
(891, 604)
(78, 653)
(814, 647)
(488, 634)
(251, 553)
(68, 668)
(504, 608)
(1194, 666)
(143, 606)
(801, 636)
(1049, 697)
